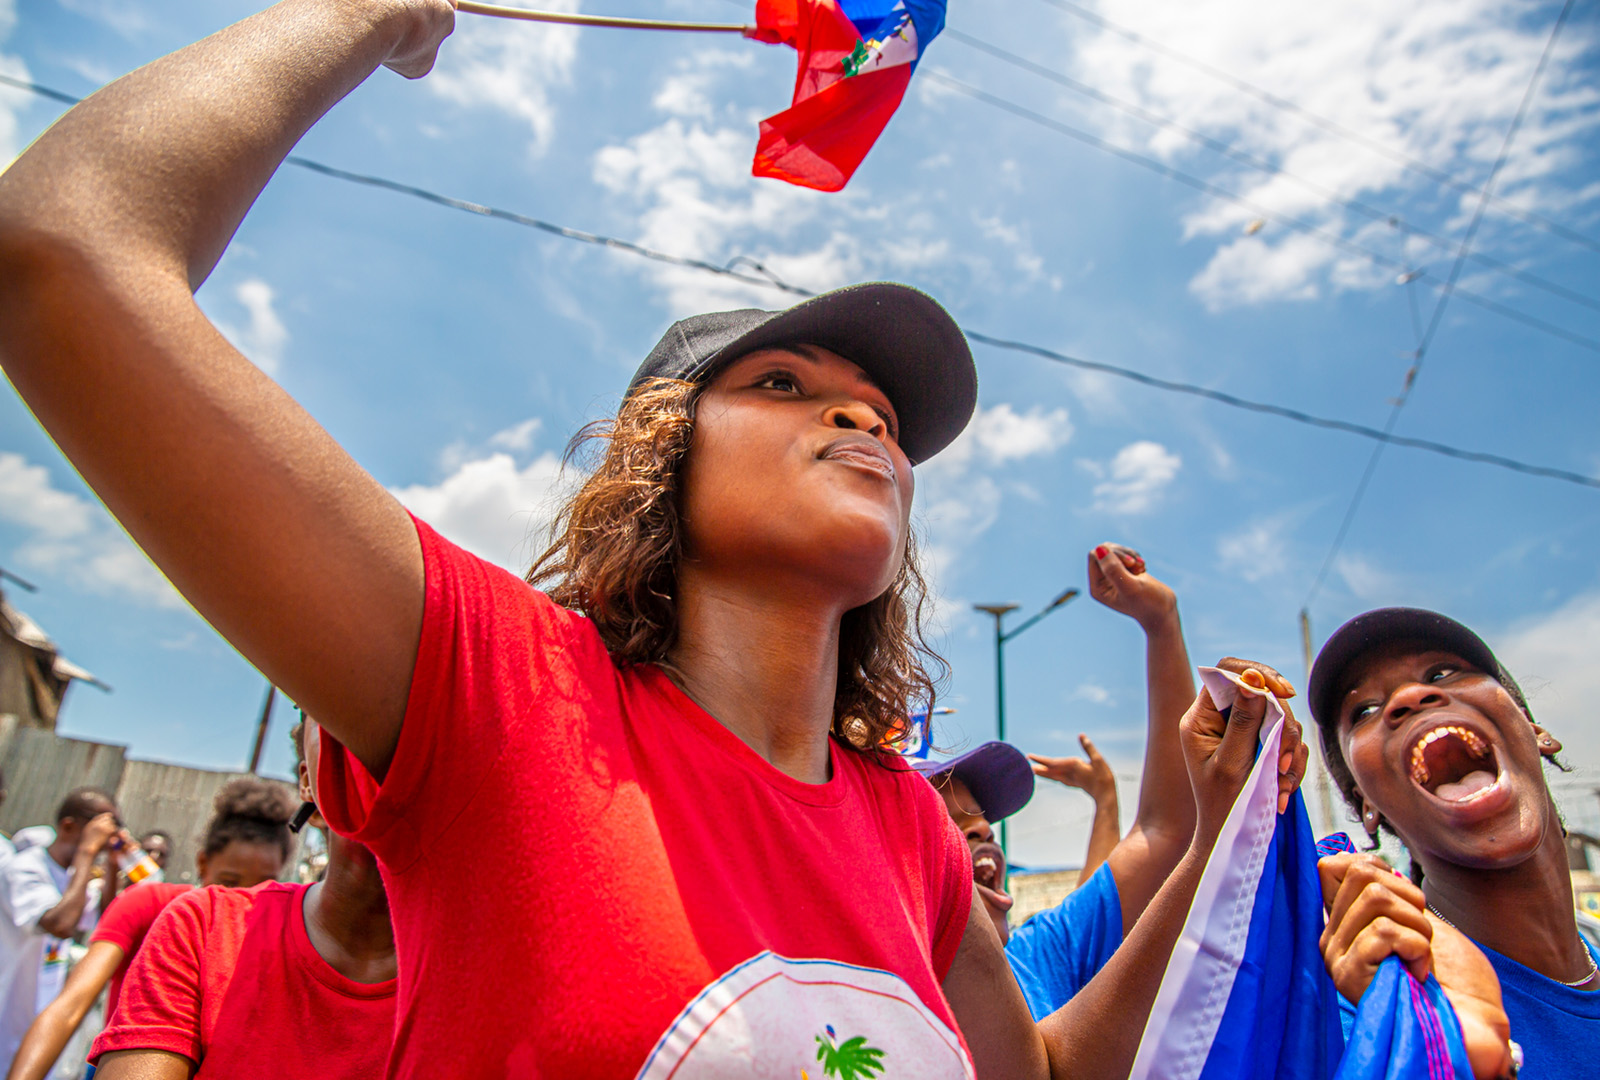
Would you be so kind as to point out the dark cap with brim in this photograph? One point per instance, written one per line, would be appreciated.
(997, 774)
(905, 342)
(1370, 632)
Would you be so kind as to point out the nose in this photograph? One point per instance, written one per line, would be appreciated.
(978, 831)
(1412, 698)
(856, 416)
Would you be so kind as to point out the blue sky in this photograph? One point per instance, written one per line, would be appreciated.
(454, 354)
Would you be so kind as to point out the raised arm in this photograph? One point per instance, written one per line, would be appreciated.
(1093, 776)
(107, 224)
(1097, 1033)
(1164, 823)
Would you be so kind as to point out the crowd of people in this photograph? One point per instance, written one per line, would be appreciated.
(635, 814)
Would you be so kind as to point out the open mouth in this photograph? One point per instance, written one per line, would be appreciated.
(989, 868)
(1454, 763)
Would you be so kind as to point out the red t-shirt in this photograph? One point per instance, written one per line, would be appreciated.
(229, 979)
(127, 921)
(589, 876)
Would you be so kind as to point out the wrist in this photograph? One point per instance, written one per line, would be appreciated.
(1162, 623)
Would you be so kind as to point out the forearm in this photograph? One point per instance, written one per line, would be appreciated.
(1166, 801)
(155, 172)
(1097, 1033)
(1104, 833)
(62, 920)
(51, 1030)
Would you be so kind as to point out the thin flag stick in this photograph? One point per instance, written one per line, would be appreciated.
(596, 20)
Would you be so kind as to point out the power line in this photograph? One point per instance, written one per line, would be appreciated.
(1332, 239)
(1421, 355)
(762, 277)
(1332, 127)
(1244, 157)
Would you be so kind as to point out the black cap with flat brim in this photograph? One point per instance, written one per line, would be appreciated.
(905, 342)
(1368, 633)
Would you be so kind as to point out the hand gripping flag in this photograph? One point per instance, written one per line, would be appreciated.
(1245, 995)
(856, 59)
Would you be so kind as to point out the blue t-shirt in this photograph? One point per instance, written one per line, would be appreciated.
(1056, 953)
(1557, 1026)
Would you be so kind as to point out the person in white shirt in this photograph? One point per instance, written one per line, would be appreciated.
(45, 897)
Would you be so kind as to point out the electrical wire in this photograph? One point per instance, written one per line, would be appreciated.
(765, 278)
(1421, 355)
(1332, 127)
(1244, 157)
(1332, 239)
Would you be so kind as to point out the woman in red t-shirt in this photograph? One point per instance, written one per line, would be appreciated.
(275, 981)
(636, 826)
(246, 842)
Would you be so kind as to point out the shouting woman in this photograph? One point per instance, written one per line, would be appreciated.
(1429, 736)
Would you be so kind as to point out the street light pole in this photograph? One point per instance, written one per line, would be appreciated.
(1001, 636)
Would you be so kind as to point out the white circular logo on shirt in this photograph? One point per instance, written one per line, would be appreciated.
(772, 1018)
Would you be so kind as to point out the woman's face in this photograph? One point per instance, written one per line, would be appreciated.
(795, 477)
(1445, 755)
(240, 864)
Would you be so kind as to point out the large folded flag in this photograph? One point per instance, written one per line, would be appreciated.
(856, 59)
(1246, 995)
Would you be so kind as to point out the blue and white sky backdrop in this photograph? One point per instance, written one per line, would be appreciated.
(454, 354)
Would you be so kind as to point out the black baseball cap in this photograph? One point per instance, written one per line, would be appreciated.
(997, 774)
(1374, 629)
(900, 336)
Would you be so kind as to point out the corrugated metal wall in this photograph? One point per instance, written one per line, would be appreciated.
(175, 799)
(41, 767)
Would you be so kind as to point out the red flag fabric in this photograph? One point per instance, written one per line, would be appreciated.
(838, 109)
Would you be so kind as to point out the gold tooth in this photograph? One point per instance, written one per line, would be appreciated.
(1419, 767)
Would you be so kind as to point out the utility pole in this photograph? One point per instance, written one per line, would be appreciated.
(1001, 636)
(261, 727)
(1320, 781)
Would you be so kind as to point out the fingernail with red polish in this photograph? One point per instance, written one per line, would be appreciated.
(1100, 552)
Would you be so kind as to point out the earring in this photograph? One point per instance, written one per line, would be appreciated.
(1371, 820)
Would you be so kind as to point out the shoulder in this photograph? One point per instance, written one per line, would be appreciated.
(490, 600)
(889, 775)
(142, 903)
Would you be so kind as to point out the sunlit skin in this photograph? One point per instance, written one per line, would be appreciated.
(796, 507)
(969, 818)
(1494, 865)
(1399, 697)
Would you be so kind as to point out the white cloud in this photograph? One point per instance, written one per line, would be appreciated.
(957, 493)
(1135, 479)
(1370, 583)
(1435, 81)
(12, 101)
(1552, 656)
(491, 505)
(684, 186)
(1257, 550)
(1094, 694)
(74, 538)
(1005, 436)
(509, 66)
(263, 336)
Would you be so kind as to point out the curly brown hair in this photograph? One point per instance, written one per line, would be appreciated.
(617, 543)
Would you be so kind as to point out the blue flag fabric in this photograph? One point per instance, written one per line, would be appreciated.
(1404, 1030)
(1246, 995)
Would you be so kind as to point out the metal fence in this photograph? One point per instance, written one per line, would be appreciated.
(41, 767)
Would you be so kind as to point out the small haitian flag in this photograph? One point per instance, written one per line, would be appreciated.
(856, 59)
